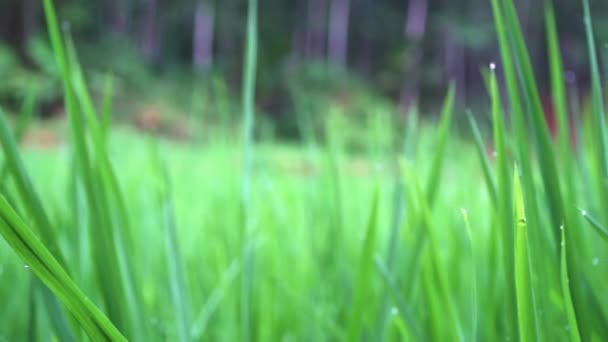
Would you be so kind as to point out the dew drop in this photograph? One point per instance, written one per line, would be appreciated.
(492, 65)
(394, 311)
(584, 212)
(595, 261)
(26, 266)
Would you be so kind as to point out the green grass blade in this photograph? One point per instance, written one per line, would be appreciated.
(25, 118)
(568, 303)
(442, 138)
(175, 262)
(599, 228)
(599, 110)
(475, 296)
(394, 292)
(558, 89)
(249, 81)
(540, 130)
(364, 274)
(26, 190)
(107, 105)
(214, 301)
(453, 326)
(35, 255)
(525, 306)
(483, 158)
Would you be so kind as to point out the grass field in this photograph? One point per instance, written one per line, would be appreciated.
(116, 235)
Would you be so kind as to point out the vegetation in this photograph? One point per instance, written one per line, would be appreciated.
(118, 237)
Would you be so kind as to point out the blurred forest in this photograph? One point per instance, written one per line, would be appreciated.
(393, 53)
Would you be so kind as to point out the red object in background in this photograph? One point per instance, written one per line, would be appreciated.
(551, 120)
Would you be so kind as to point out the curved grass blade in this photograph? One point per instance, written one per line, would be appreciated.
(34, 254)
(483, 158)
(599, 228)
(411, 327)
(364, 274)
(454, 329)
(26, 190)
(568, 303)
(249, 80)
(213, 302)
(525, 307)
(25, 117)
(175, 262)
(540, 130)
(33, 204)
(442, 139)
(599, 110)
(474, 300)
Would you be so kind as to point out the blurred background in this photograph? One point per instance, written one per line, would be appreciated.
(177, 65)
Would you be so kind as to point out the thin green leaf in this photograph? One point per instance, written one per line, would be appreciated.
(525, 307)
(568, 302)
(35, 255)
(364, 274)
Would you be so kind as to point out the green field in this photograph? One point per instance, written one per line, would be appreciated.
(420, 234)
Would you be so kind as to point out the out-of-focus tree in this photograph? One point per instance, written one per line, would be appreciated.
(405, 49)
(202, 42)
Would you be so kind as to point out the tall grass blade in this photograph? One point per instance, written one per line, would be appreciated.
(443, 132)
(33, 205)
(249, 80)
(483, 158)
(568, 302)
(364, 274)
(393, 290)
(175, 262)
(436, 274)
(523, 289)
(599, 228)
(598, 106)
(35, 255)
(475, 294)
(540, 130)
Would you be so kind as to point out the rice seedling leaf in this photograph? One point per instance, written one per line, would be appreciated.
(483, 158)
(565, 282)
(525, 307)
(364, 274)
(35, 255)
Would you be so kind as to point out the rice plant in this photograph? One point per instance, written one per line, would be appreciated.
(118, 237)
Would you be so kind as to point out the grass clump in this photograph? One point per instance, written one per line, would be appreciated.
(128, 239)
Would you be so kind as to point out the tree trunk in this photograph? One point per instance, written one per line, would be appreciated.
(338, 31)
(315, 35)
(31, 11)
(202, 54)
(454, 64)
(119, 17)
(415, 27)
(151, 31)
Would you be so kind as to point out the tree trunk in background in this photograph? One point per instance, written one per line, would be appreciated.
(415, 27)
(151, 31)
(119, 17)
(454, 65)
(315, 35)
(226, 37)
(202, 54)
(338, 31)
(31, 11)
